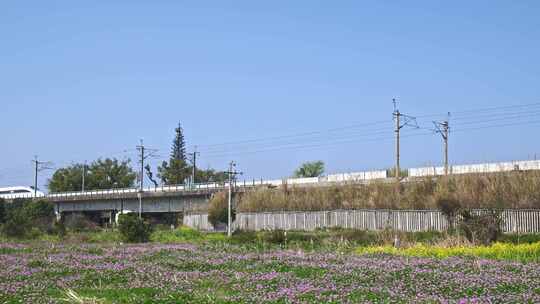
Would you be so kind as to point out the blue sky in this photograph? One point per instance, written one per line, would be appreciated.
(85, 80)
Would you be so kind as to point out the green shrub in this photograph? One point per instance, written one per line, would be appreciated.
(481, 228)
(218, 209)
(244, 236)
(59, 228)
(17, 224)
(41, 214)
(275, 237)
(133, 229)
(2, 211)
(181, 234)
(79, 222)
(516, 238)
(39, 209)
(356, 236)
(449, 208)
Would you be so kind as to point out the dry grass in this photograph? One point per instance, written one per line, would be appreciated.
(500, 190)
(75, 298)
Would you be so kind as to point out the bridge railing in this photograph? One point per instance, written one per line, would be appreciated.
(162, 188)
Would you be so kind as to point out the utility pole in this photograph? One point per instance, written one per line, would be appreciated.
(36, 164)
(83, 175)
(443, 129)
(232, 174)
(194, 161)
(143, 156)
(39, 166)
(407, 121)
(141, 177)
(397, 116)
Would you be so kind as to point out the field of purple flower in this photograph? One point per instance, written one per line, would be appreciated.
(185, 273)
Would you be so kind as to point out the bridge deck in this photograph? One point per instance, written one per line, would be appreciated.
(135, 193)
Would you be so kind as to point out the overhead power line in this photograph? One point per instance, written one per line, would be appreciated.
(530, 122)
(334, 144)
(302, 140)
(294, 135)
(315, 146)
(535, 104)
(356, 130)
(479, 110)
(76, 160)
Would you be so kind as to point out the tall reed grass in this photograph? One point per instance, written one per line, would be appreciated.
(498, 190)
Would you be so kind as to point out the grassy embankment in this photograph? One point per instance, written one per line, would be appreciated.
(497, 190)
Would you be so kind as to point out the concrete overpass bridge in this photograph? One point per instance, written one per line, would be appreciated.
(160, 200)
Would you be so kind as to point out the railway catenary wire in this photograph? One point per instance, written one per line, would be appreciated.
(481, 110)
(470, 120)
(455, 115)
(332, 143)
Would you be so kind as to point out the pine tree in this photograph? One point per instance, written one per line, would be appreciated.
(176, 170)
(179, 145)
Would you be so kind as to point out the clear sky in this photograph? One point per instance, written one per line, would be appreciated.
(87, 79)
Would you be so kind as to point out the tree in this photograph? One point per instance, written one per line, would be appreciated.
(211, 176)
(310, 169)
(67, 179)
(111, 173)
(176, 170)
(179, 145)
(101, 174)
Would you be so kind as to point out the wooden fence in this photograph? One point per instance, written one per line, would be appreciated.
(517, 221)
